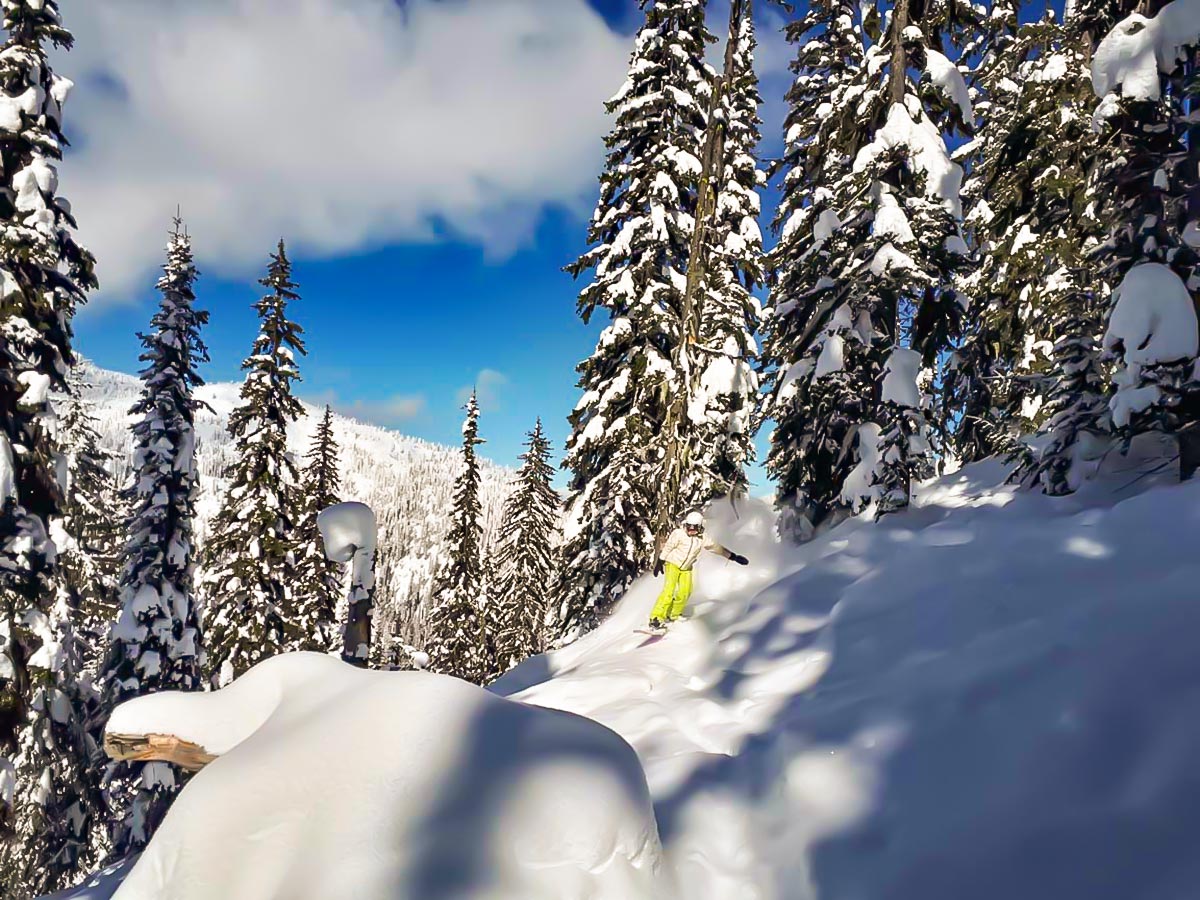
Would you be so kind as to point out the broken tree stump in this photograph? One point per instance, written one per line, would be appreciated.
(157, 748)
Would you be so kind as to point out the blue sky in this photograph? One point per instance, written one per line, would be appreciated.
(417, 281)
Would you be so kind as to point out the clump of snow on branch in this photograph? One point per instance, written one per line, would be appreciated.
(927, 150)
(949, 82)
(1132, 55)
(900, 378)
(1152, 323)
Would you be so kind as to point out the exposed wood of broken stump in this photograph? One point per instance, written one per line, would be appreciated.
(157, 748)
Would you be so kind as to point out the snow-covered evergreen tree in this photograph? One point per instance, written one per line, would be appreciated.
(869, 247)
(90, 533)
(724, 400)
(250, 558)
(1145, 73)
(819, 364)
(44, 277)
(156, 643)
(526, 558)
(1029, 356)
(458, 642)
(318, 580)
(641, 235)
(58, 811)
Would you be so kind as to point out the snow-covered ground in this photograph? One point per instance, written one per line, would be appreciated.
(995, 695)
(339, 782)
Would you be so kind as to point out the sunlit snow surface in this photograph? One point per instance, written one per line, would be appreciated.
(336, 782)
(995, 695)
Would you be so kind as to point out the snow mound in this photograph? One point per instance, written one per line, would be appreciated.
(334, 781)
(995, 694)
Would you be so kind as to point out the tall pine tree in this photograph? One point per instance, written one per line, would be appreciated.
(642, 235)
(250, 562)
(865, 267)
(1030, 357)
(458, 643)
(90, 532)
(44, 277)
(526, 555)
(724, 398)
(318, 581)
(156, 643)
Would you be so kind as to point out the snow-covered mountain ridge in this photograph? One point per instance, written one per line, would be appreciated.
(407, 481)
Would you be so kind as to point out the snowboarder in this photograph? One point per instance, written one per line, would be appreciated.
(678, 556)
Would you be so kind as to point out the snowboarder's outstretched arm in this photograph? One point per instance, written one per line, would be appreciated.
(713, 547)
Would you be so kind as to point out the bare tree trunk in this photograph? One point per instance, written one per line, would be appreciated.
(356, 646)
(899, 57)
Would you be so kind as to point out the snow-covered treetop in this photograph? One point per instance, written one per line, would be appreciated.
(34, 21)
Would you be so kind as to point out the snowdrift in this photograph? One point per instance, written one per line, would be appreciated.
(334, 782)
(993, 695)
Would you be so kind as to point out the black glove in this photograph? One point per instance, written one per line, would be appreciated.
(658, 567)
(739, 559)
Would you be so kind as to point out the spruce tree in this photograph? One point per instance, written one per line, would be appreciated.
(526, 555)
(44, 277)
(57, 814)
(458, 643)
(723, 403)
(1150, 201)
(156, 644)
(90, 532)
(641, 234)
(250, 562)
(1029, 358)
(819, 364)
(870, 244)
(319, 581)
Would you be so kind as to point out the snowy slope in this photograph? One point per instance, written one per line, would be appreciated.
(995, 695)
(407, 481)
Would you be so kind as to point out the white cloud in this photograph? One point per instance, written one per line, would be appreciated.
(488, 385)
(341, 124)
(390, 411)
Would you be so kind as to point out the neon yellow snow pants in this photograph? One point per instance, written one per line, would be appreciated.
(675, 593)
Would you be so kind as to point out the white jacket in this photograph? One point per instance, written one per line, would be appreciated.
(681, 549)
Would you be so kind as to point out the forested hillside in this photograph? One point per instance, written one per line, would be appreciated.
(407, 481)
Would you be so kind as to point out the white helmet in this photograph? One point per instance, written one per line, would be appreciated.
(694, 518)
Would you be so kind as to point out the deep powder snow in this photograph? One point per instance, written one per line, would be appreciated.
(993, 695)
